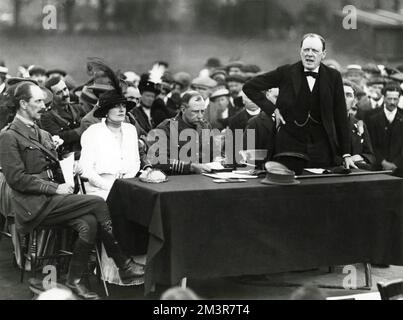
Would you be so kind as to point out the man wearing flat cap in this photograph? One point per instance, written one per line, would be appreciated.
(38, 74)
(235, 68)
(235, 84)
(219, 75)
(56, 73)
(314, 129)
(375, 87)
(63, 119)
(220, 108)
(204, 85)
(374, 100)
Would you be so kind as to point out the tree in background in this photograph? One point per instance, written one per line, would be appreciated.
(315, 17)
(18, 4)
(69, 14)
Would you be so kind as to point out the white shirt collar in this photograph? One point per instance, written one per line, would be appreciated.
(377, 104)
(316, 70)
(27, 122)
(390, 115)
(147, 111)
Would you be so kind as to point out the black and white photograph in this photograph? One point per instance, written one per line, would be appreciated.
(211, 150)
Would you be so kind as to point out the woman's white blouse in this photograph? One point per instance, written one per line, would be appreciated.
(104, 158)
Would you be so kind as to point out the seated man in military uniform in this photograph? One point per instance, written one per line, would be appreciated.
(63, 119)
(40, 196)
(173, 154)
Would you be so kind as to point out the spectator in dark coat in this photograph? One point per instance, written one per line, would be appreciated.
(386, 131)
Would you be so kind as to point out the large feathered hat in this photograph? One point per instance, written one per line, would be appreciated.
(109, 99)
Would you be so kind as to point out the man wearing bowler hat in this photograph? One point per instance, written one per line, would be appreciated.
(314, 130)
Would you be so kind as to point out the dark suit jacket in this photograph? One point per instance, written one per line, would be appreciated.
(361, 141)
(142, 119)
(288, 79)
(377, 125)
(165, 159)
(160, 112)
(264, 129)
(239, 120)
(24, 164)
(65, 124)
(7, 111)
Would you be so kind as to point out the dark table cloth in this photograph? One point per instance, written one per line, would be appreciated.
(201, 229)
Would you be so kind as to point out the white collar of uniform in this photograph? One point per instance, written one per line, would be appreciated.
(390, 115)
(2, 86)
(316, 70)
(27, 122)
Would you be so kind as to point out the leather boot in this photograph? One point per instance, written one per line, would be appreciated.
(78, 265)
(129, 270)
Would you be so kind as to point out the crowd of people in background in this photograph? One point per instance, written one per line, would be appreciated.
(157, 95)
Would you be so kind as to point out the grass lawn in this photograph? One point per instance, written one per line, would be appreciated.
(184, 51)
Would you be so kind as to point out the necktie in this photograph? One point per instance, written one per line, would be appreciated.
(311, 74)
(35, 130)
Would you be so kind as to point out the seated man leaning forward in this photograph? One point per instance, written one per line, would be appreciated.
(40, 196)
(185, 143)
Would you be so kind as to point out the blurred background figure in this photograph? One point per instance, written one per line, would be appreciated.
(57, 294)
(355, 74)
(22, 71)
(204, 85)
(220, 109)
(142, 113)
(3, 76)
(211, 65)
(250, 70)
(361, 148)
(132, 93)
(235, 68)
(131, 78)
(235, 84)
(332, 64)
(219, 75)
(38, 74)
(178, 293)
(56, 73)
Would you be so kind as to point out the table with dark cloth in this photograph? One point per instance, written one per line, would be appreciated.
(200, 229)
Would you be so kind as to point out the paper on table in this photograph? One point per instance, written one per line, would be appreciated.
(229, 175)
(315, 170)
(67, 166)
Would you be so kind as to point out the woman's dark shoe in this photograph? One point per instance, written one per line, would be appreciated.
(82, 292)
(130, 271)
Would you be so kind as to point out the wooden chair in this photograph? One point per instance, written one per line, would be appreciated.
(4, 230)
(391, 290)
(50, 245)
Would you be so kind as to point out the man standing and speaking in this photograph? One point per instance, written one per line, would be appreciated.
(313, 130)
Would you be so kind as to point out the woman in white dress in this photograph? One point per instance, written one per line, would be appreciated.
(109, 152)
